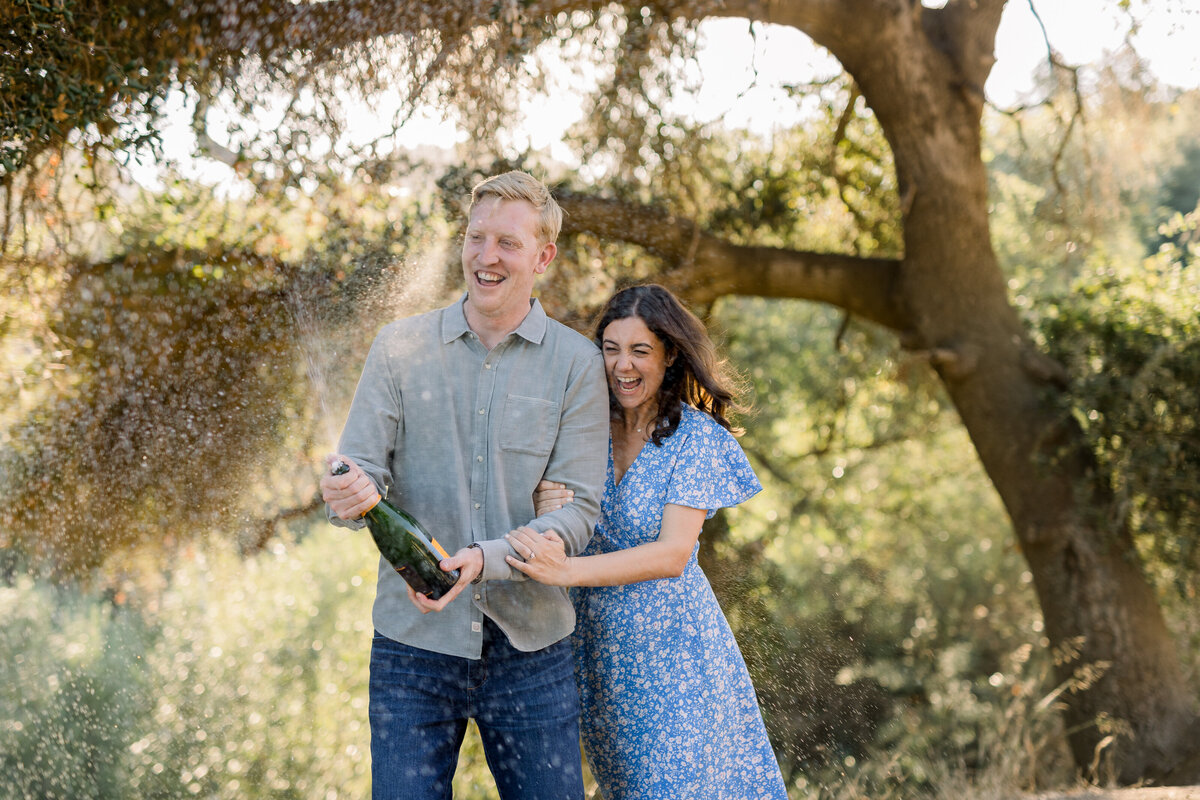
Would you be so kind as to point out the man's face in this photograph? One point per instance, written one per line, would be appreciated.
(501, 257)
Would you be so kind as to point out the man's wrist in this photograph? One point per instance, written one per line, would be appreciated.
(482, 561)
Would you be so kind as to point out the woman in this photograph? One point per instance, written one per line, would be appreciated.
(668, 707)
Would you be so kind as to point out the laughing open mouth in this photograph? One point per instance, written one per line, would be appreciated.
(488, 278)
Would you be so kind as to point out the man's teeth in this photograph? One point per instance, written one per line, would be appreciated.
(488, 277)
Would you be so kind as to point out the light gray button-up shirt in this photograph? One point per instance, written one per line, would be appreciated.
(459, 436)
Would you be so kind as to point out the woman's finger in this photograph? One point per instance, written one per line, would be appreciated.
(521, 536)
(517, 564)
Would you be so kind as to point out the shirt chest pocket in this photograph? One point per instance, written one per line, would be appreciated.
(529, 425)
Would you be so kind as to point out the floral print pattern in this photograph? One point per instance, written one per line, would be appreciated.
(669, 712)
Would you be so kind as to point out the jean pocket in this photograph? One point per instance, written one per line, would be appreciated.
(529, 425)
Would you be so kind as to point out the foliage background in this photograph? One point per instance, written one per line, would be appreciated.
(178, 620)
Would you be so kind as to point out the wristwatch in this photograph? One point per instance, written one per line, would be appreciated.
(478, 577)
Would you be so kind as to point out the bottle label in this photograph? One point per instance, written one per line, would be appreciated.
(438, 547)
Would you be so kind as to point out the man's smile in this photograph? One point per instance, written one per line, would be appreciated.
(485, 278)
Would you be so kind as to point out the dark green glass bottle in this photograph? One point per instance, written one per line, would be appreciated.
(406, 545)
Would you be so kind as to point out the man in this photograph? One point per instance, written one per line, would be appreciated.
(457, 415)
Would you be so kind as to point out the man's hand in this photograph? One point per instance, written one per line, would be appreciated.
(350, 495)
(469, 563)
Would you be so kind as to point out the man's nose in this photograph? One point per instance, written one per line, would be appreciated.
(490, 252)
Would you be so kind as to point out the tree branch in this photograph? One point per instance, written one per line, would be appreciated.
(271, 26)
(966, 31)
(862, 286)
(263, 530)
(829, 22)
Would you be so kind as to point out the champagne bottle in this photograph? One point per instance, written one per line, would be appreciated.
(406, 545)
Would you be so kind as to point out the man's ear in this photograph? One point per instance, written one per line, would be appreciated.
(549, 250)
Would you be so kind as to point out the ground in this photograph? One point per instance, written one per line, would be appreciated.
(1156, 793)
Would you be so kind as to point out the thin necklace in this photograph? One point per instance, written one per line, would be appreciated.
(651, 423)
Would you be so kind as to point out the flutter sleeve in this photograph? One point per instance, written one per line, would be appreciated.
(711, 470)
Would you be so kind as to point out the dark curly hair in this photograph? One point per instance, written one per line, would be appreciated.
(695, 376)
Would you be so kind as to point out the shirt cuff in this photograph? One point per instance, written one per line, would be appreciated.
(495, 568)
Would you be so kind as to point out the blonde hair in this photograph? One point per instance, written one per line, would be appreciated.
(517, 185)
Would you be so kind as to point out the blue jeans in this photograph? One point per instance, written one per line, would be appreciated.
(525, 705)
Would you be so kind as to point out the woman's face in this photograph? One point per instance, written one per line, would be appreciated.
(635, 361)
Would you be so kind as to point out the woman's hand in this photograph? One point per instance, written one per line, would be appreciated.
(550, 496)
(545, 556)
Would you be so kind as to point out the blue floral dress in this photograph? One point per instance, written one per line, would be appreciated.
(669, 712)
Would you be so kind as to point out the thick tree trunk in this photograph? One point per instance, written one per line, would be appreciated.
(1129, 709)
(1085, 569)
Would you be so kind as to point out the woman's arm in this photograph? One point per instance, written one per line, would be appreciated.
(547, 562)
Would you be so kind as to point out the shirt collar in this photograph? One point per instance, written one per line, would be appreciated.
(532, 328)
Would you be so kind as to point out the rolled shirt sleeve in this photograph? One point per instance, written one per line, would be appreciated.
(376, 414)
(577, 460)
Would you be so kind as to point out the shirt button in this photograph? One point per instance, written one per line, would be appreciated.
(479, 459)
(487, 366)
(477, 505)
(482, 410)
(477, 597)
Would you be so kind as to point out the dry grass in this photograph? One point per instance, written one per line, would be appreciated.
(1150, 793)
